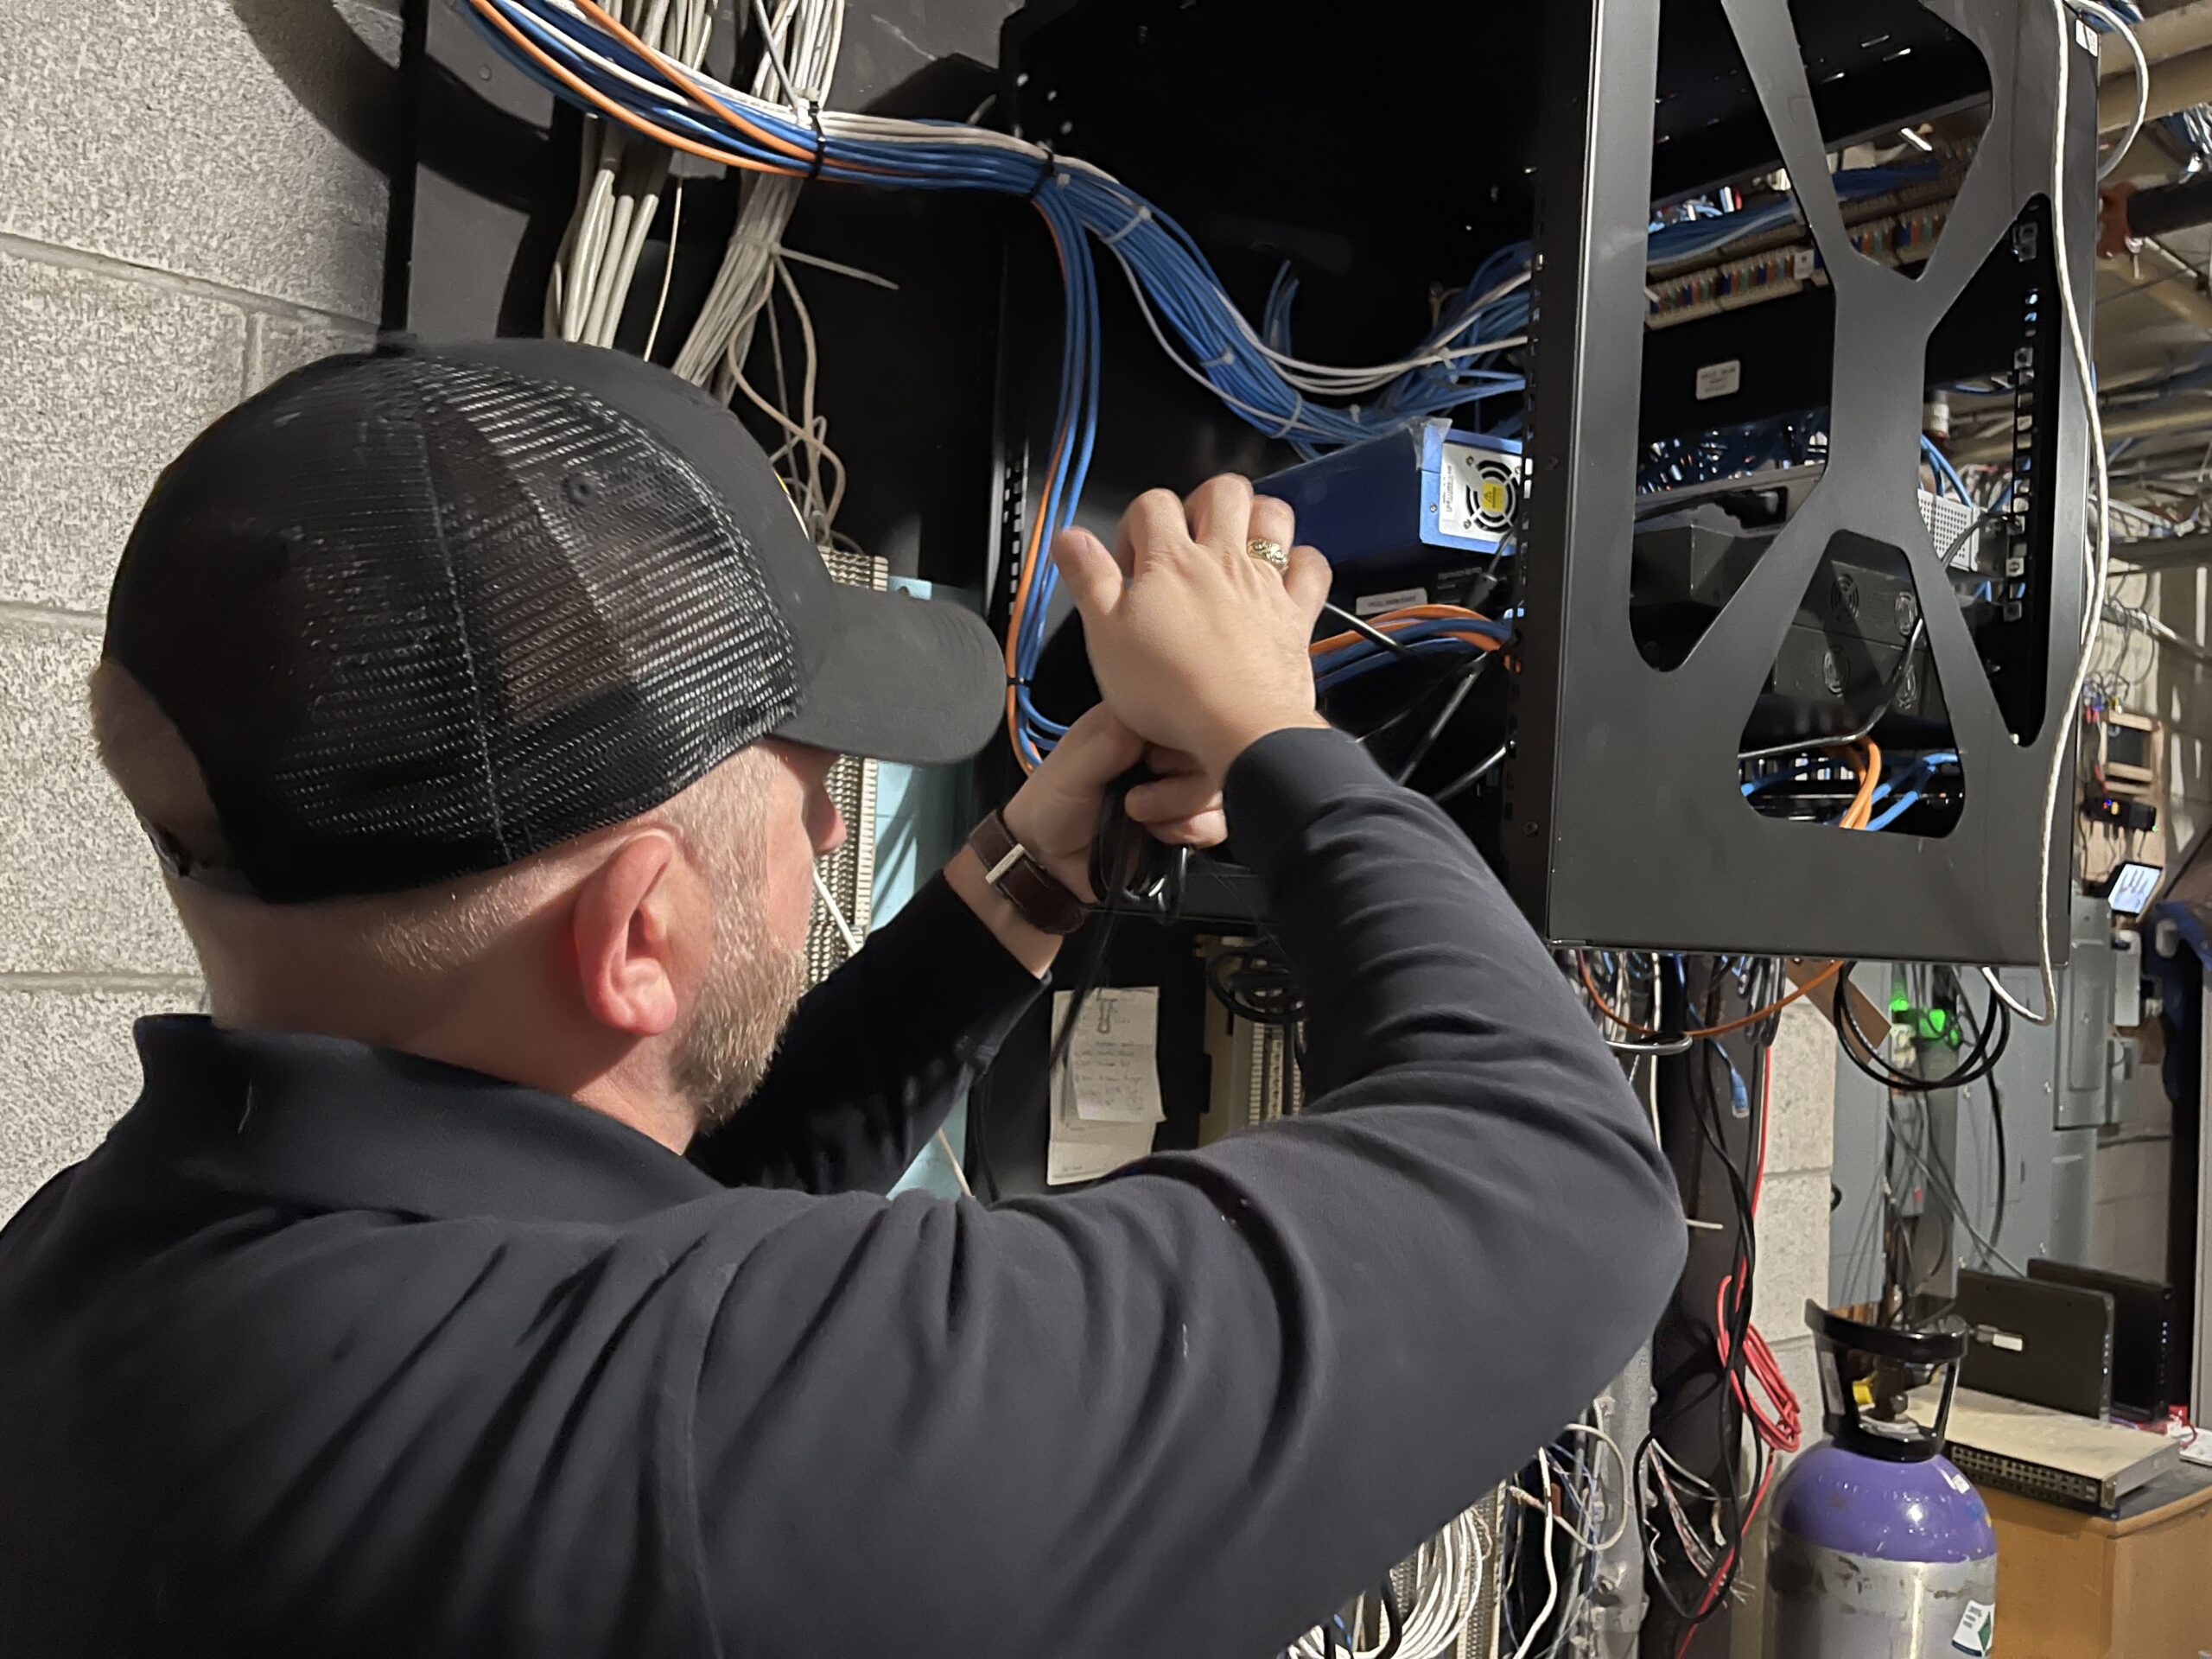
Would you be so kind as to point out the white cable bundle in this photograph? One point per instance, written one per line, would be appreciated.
(1441, 1588)
(618, 189)
(799, 59)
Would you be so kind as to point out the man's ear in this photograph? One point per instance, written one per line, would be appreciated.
(623, 921)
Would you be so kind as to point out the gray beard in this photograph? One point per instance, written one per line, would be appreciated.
(726, 1049)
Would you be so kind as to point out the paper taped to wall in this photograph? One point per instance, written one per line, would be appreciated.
(1105, 1095)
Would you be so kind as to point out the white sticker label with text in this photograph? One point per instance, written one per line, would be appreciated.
(1720, 379)
(1396, 599)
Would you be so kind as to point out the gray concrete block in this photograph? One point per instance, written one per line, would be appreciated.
(1793, 1252)
(233, 141)
(106, 379)
(1801, 1132)
(78, 890)
(279, 345)
(71, 1071)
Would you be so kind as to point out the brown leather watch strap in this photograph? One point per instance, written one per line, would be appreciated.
(1044, 903)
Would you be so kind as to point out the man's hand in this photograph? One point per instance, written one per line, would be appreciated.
(1199, 647)
(1055, 816)
(1055, 813)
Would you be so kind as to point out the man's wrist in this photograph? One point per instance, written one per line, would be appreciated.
(1225, 752)
(1027, 943)
(1070, 871)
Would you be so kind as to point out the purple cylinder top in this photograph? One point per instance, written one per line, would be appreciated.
(1924, 1512)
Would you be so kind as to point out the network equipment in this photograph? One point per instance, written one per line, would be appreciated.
(1414, 518)
(2147, 1369)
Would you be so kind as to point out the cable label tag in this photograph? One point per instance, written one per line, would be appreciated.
(1721, 379)
(1396, 599)
(1977, 1625)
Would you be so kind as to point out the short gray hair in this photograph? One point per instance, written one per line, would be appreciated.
(426, 931)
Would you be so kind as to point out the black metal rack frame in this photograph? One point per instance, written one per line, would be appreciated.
(1625, 823)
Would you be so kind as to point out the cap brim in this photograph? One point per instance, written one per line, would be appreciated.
(916, 681)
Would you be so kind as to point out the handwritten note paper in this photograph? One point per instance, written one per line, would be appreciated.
(1105, 1096)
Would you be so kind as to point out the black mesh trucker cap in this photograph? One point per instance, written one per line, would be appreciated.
(422, 612)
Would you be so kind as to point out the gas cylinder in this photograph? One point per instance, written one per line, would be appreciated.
(1878, 1548)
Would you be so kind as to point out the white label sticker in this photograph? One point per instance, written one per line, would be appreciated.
(1396, 599)
(1959, 1483)
(1801, 264)
(1977, 1625)
(1720, 379)
(2084, 37)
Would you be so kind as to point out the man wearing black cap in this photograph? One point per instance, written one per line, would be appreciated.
(483, 1278)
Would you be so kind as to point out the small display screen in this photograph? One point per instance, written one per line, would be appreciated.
(2127, 746)
(2133, 888)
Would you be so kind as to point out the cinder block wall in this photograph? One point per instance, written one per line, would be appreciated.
(193, 203)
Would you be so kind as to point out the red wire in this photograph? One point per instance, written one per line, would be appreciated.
(1720, 1571)
(1776, 1422)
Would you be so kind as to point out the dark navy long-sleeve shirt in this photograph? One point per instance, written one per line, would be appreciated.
(329, 1351)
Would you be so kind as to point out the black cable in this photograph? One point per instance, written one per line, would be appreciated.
(1112, 867)
(1132, 872)
(1254, 984)
(1389, 1599)
(1735, 1372)
(1428, 741)
(1715, 1588)
(1994, 1034)
(1367, 631)
(1449, 672)
(1466, 781)
(1997, 1126)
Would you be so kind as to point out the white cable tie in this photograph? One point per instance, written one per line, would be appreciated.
(1297, 414)
(1143, 214)
(1228, 356)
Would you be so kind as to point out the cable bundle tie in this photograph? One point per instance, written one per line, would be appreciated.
(821, 142)
(1292, 420)
(1228, 356)
(1142, 216)
(1046, 173)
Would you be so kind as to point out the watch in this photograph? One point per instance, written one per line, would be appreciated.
(1015, 874)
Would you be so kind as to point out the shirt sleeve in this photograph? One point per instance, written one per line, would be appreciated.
(877, 1055)
(1191, 1409)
